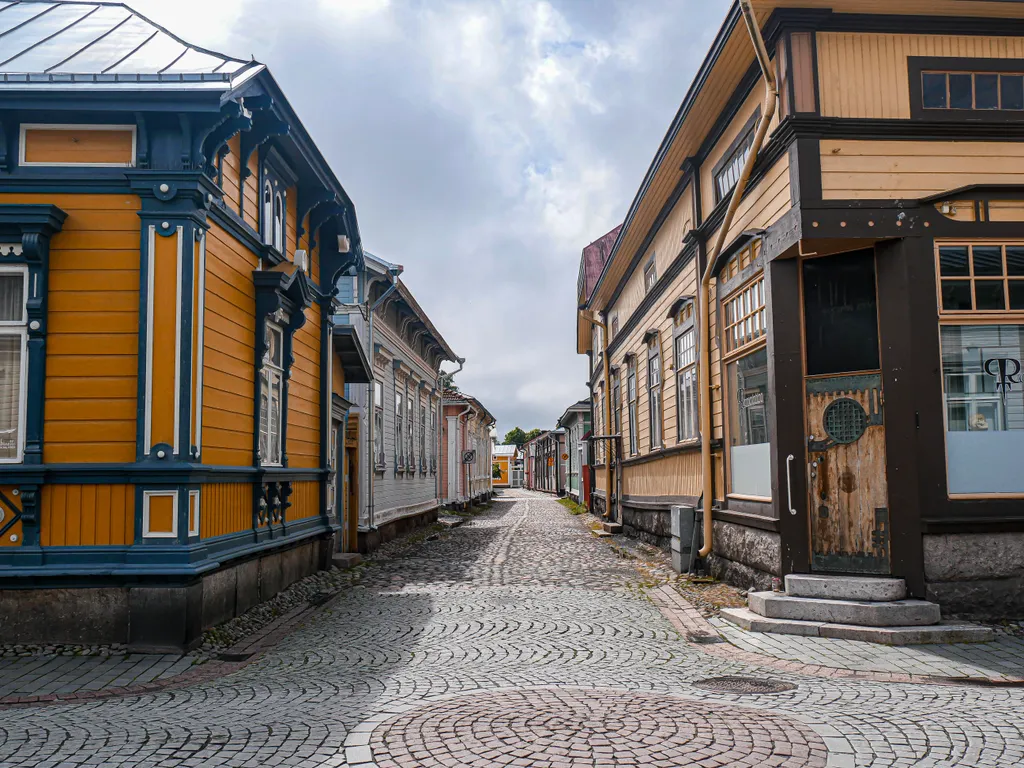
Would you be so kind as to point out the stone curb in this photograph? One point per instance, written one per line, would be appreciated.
(253, 645)
(700, 633)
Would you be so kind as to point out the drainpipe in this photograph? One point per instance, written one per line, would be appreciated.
(458, 424)
(609, 476)
(704, 370)
(394, 272)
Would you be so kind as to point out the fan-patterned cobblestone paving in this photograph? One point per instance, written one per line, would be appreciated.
(518, 639)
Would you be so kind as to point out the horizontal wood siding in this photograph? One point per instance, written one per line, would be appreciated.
(87, 515)
(251, 193)
(911, 169)
(305, 500)
(229, 351)
(304, 384)
(866, 75)
(675, 475)
(224, 508)
(92, 334)
(75, 146)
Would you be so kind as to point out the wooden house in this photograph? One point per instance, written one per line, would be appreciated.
(576, 456)
(864, 313)
(545, 468)
(466, 458)
(504, 458)
(174, 436)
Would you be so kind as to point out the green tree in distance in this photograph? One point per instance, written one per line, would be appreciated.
(519, 438)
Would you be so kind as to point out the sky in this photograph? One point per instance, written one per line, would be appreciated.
(484, 144)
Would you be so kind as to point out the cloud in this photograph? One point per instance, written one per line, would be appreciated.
(484, 142)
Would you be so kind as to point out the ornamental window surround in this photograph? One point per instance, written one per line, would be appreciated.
(378, 426)
(271, 396)
(13, 362)
(654, 391)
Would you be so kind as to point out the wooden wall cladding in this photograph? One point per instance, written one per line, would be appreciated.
(92, 328)
(674, 475)
(224, 508)
(87, 515)
(10, 508)
(79, 146)
(305, 500)
(229, 344)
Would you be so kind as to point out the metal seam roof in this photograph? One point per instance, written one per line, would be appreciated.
(73, 41)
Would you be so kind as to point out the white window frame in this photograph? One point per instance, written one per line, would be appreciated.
(278, 221)
(655, 406)
(267, 206)
(650, 274)
(379, 458)
(631, 397)
(686, 382)
(19, 329)
(269, 371)
(25, 127)
(399, 431)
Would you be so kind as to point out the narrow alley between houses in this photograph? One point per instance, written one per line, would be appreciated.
(521, 638)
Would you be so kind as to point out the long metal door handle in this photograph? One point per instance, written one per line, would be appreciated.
(789, 484)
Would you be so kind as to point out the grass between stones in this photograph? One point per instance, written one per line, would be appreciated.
(573, 507)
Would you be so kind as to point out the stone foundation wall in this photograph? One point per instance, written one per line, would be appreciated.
(156, 618)
(371, 540)
(652, 526)
(745, 557)
(977, 574)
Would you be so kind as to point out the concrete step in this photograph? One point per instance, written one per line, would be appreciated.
(344, 560)
(896, 613)
(861, 588)
(918, 635)
(612, 527)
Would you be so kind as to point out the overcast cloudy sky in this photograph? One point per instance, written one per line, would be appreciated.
(484, 143)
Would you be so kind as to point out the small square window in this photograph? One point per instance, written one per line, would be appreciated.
(934, 90)
(986, 91)
(988, 295)
(1012, 91)
(953, 261)
(960, 92)
(956, 295)
(988, 260)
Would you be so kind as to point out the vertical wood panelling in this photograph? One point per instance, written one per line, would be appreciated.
(866, 75)
(675, 475)
(164, 326)
(305, 500)
(92, 328)
(225, 508)
(231, 174)
(803, 71)
(10, 506)
(229, 344)
(304, 394)
(87, 515)
(251, 192)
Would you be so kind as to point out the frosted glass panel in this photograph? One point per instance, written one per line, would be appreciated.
(752, 469)
(985, 462)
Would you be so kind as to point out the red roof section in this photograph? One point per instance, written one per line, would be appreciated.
(595, 256)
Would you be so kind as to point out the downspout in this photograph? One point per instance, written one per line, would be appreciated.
(704, 370)
(458, 425)
(370, 412)
(609, 472)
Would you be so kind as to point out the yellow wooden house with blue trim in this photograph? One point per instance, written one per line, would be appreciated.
(172, 418)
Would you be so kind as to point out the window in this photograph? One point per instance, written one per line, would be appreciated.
(981, 278)
(274, 209)
(983, 388)
(410, 428)
(654, 392)
(279, 222)
(268, 212)
(727, 171)
(686, 384)
(650, 274)
(631, 394)
(749, 439)
(13, 362)
(972, 91)
(616, 404)
(433, 439)
(271, 385)
(423, 438)
(604, 443)
(399, 432)
(745, 316)
(378, 425)
(615, 326)
(332, 477)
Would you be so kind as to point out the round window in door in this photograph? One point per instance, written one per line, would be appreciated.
(844, 420)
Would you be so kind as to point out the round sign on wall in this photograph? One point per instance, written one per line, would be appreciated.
(565, 457)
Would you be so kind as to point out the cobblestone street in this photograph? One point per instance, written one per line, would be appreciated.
(517, 639)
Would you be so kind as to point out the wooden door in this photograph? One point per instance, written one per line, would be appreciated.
(848, 504)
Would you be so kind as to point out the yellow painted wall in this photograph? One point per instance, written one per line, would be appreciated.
(165, 305)
(502, 462)
(251, 194)
(866, 75)
(675, 475)
(75, 146)
(87, 515)
(230, 338)
(231, 174)
(304, 385)
(305, 500)
(853, 169)
(225, 508)
(93, 321)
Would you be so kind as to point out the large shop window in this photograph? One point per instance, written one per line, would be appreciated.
(271, 402)
(750, 450)
(984, 393)
(13, 363)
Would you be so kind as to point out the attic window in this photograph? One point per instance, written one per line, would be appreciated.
(727, 171)
(972, 90)
(273, 209)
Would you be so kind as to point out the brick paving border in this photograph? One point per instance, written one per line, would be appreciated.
(700, 633)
